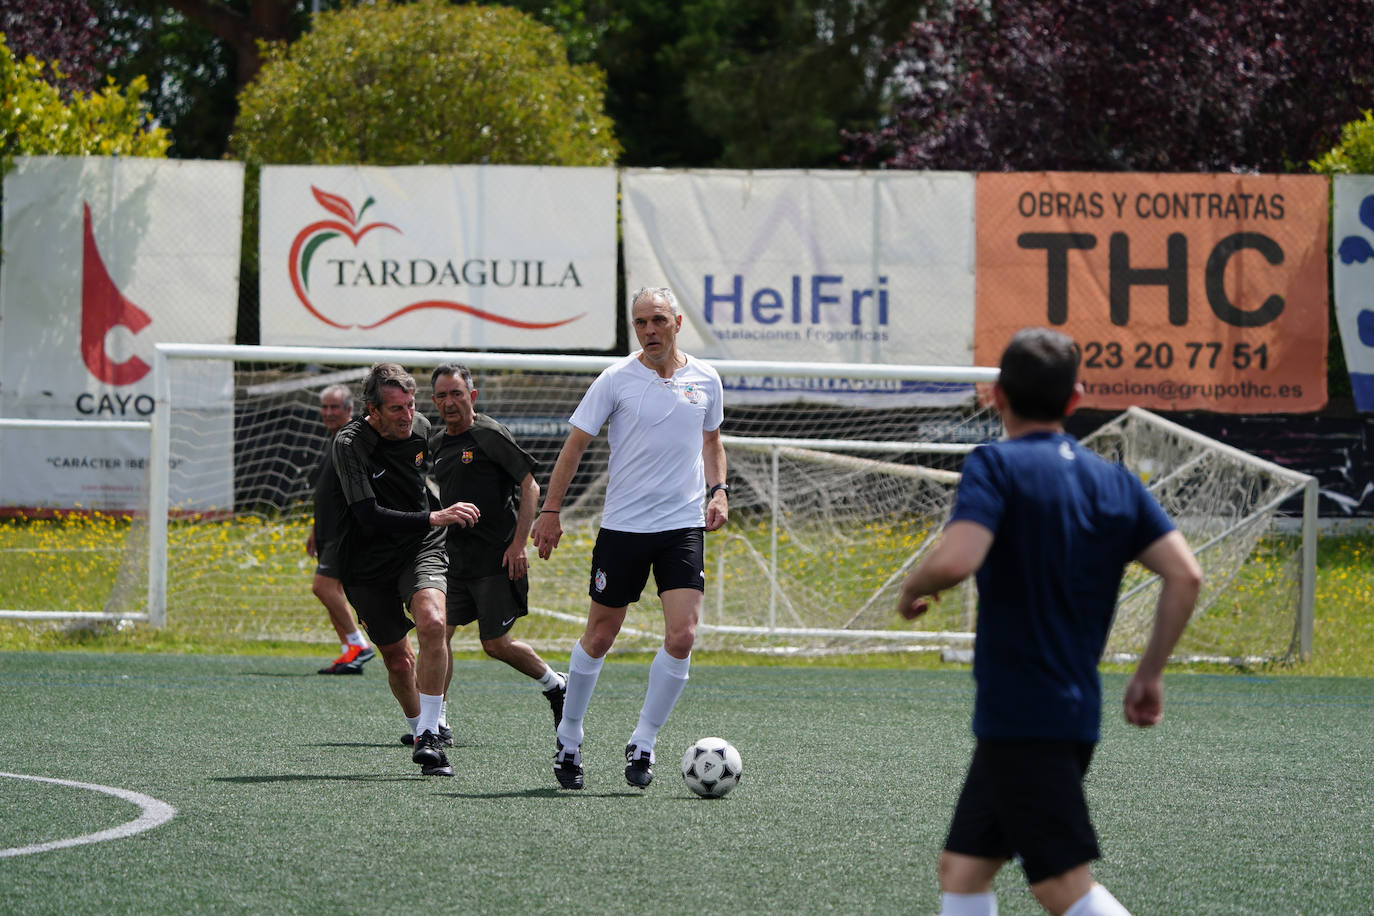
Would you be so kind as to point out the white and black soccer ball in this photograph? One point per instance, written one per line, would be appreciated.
(711, 767)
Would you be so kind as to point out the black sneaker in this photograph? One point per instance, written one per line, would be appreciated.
(431, 759)
(639, 770)
(445, 737)
(555, 695)
(441, 768)
(567, 766)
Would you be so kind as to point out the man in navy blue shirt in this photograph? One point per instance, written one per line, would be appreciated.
(1048, 527)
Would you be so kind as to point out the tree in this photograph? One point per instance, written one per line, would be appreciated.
(35, 120)
(66, 34)
(1354, 154)
(1167, 85)
(734, 83)
(192, 74)
(425, 82)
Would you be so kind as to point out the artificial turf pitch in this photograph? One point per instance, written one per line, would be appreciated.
(293, 794)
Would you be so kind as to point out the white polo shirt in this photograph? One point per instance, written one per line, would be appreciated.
(657, 480)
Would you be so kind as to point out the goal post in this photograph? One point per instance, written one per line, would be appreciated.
(833, 499)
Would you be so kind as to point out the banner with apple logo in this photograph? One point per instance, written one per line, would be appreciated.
(104, 258)
(470, 257)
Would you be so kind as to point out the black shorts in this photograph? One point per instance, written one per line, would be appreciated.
(382, 605)
(621, 561)
(327, 559)
(1024, 800)
(495, 602)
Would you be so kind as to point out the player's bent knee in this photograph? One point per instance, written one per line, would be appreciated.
(498, 649)
(678, 642)
(963, 874)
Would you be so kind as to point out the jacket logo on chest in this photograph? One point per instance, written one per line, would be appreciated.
(467, 456)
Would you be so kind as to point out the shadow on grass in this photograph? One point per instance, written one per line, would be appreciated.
(544, 792)
(316, 777)
(289, 674)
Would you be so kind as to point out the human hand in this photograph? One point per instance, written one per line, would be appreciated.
(915, 608)
(1144, 701)
(546, 533)
(514, 561)
(717, 511)
(310, 546)
(463, 514)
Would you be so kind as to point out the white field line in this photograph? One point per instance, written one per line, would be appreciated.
(155, 813)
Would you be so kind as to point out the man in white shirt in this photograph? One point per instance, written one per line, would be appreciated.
(664, 410)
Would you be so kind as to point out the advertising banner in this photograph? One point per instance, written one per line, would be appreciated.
(1352, 270)
(479, 257)
(1184, 292)
(813, 267)
(104, 258)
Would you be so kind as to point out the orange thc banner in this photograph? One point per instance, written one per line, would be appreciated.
(1184, 292)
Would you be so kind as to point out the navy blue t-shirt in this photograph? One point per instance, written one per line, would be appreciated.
(1065, 524)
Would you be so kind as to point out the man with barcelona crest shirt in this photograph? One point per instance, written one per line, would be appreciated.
(475, 460)
(392, 555)
(663, 410)
(1048, 527)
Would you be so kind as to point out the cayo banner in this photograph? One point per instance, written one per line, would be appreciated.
(1184, 292)
(1353, 273)
(105, 257)
(841, 267)
(439, 257)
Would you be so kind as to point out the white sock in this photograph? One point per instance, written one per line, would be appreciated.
(1097, 902)
(355, 639)
(343, 647)
(412, 721)
(968, 904)
(582, 674)
(443, 712)
(549, 679)
(429, 713)
(667, 678)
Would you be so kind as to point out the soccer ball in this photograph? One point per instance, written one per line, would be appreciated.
(711, 767)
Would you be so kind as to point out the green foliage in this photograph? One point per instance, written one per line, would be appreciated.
(1354, 154)
(35, 121)
(735, 83)
(424, 83)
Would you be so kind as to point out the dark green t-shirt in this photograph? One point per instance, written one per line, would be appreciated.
(482, 465)
(393, 473)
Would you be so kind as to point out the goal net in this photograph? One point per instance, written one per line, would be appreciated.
(832, 501)
(82, 562)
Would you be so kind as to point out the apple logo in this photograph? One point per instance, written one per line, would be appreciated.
(349, 225)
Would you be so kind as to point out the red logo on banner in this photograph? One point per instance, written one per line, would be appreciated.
(309, 239)
(103, 308)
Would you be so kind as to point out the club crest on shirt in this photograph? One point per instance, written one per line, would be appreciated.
(467, 456)
(693, 393)
(419, 458)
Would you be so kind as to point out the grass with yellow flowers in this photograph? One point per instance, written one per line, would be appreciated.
(241, 586)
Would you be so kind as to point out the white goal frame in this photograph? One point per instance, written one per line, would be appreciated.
(160, 453)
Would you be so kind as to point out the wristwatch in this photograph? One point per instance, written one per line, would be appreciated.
(719, 486)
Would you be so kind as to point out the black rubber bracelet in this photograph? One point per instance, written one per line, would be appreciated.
(555, 511)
